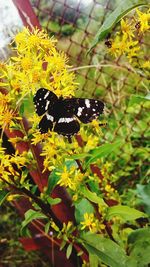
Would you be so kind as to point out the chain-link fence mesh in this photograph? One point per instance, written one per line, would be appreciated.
(74, 24)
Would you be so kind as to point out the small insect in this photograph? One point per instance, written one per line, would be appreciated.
(62, 115)
(108, 43)
(138, 25)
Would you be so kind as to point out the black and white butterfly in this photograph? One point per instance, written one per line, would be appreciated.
(62, 114)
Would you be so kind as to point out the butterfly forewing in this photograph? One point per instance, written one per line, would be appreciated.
(44, 99)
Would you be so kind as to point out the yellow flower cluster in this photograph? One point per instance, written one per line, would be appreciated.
(56, 148)
(71, 178)
(106, 182)
(36, 64)
(127, 41)
(92, 224)
(8, 164)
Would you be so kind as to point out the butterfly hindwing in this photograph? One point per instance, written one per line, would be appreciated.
(43, 99)
(45, 124)
(85, 109)
(67, 126)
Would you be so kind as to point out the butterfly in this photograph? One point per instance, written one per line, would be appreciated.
(62, 115)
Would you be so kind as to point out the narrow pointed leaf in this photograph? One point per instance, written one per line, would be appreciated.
(3, 195)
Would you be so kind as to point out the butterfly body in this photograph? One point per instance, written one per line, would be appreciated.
(61, 115)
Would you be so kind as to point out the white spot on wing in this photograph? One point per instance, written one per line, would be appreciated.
(79, 113)
(46, 95)
(49, 117)
(67, 120)
(47, 103)
(87, 103)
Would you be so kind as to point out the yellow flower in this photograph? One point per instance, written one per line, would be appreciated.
(4, 100)
(26, 63)
(66, 179)
(144, 20)
(126, 28)
(89, 222)
(12, 197)
(146, 64)
(26, 72)
(92, 142)
(19, 160)
(108, 188)
(27, 40)
(6, 117)
(38, 138)
(6, 169)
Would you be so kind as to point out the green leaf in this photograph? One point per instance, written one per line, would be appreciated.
(52, 182)
(139, 246)
(122, 9)
(47, 226)
(81, 208)
(139, 234)
(144, 193)
(124, 212)
(63, 243)
(53, 201)
(21, 110)
(103, 151)
(69, 250)
(92, 196)
(78, 156)
(3, 195)
(93, 259)
(31, 215)
(105, 249)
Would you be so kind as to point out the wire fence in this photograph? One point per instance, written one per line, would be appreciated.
(74, 24)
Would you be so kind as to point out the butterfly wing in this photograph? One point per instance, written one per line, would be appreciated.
(46, 123)
(63, 113)
(67, 126)
(43, 100)
(84, 109)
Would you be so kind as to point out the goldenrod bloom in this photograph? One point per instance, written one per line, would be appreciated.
(144, 20)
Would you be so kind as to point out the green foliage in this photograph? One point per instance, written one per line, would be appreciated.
(121, 157)
(139, 246)
(53, 201)
(92, 196)
(31, 215)
(106, 250)
(133, 156)
(3, 195)
(123, 8)
(52, 181)
(82, 207)
(143, 192)
(124, 212)
(69, 250)
(12, 253)
(102, 151)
